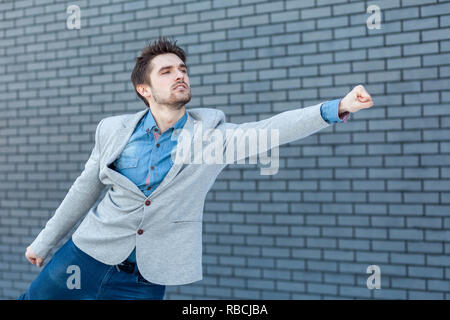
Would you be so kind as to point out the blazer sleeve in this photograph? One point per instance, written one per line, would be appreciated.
(81, 196)
(288, 126)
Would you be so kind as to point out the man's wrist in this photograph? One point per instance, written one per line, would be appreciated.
(340, 107)
(341, 112)
(329, 112)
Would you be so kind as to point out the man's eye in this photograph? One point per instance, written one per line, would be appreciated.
(169, 71)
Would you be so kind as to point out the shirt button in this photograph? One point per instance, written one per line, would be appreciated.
(152, 167)
(140, 231)
(157, 145)
(149, 188)
(156, 129)
(147, 203)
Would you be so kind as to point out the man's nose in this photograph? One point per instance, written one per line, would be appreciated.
(180, 75)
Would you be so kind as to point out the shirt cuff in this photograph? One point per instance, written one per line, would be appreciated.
(329, 111)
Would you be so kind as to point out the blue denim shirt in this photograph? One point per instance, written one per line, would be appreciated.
(146, 158)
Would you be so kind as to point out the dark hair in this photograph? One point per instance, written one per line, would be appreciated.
(143, 67)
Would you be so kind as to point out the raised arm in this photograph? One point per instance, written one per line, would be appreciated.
(290, 125)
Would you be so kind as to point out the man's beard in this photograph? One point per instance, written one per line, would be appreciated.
(175, 101)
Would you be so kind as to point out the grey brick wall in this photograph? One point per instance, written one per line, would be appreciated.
(375, 190)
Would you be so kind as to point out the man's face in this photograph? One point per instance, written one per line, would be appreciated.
(167, 74)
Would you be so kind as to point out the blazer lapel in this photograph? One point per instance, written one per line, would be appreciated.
(124, 134)
(180, 160)
(121, 137)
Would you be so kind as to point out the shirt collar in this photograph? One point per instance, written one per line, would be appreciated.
(150, 123)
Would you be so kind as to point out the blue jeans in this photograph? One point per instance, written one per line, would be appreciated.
(73, 274)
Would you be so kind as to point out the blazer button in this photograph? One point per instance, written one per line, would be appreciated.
(140, 231)
(147, 202)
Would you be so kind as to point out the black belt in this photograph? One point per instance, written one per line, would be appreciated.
(127, 266)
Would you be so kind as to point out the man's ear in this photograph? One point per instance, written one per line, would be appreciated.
(144, 90)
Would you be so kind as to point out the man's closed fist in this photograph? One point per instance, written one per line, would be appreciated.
(33, 257)
(356, 100)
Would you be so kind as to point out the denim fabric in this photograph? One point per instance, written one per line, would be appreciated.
(146, 158)
(98, 281)
(329, 112)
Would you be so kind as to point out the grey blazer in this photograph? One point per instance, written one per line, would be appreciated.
(169, 250)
